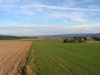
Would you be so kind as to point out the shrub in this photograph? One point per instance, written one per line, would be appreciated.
(69, 41)
(97, 38)
(81, 41)
(66, 41)
(73, 41)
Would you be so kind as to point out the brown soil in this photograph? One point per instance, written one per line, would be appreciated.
(13, 57)
(28, 70)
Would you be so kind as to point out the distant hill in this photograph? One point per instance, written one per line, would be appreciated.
(73, 35)
(9, 37)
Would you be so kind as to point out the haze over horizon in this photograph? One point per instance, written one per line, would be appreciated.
(48, 17)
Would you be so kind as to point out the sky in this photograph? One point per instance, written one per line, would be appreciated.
(49, 17)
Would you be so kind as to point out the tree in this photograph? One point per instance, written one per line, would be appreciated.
(66, 41)
(73, 41)
(81, 41)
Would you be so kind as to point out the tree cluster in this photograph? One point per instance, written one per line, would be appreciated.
(97, 38)
(73, 41)
(8, 37)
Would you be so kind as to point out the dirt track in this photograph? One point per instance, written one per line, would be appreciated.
(13, 57)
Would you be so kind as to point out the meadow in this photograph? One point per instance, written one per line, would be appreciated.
(53, 57)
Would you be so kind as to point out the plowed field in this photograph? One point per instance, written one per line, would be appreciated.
(13, 57)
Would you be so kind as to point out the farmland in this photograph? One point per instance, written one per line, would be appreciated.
(49, 57)
(13, 56)
(52, 57)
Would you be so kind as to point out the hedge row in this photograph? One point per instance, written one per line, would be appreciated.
(73, 41)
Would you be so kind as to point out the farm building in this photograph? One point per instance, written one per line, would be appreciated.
(89, 38)
(78, 38)
(69, 38)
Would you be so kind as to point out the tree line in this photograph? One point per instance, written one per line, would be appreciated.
(9, 37)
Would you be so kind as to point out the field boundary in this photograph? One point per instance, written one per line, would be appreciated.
(30, 67)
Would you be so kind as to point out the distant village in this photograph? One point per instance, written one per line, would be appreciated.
(81, 38)
(78, 38)
(2, 37)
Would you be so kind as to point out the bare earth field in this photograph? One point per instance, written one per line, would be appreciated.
(13, 57)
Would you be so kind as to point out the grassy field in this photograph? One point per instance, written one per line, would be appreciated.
(52, 57)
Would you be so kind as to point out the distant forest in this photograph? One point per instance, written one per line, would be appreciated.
(5, 37)
(9, 37)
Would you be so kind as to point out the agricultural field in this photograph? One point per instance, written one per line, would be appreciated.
(53, 57)
(13, 56)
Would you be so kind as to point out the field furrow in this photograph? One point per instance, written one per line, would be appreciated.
(13, 57)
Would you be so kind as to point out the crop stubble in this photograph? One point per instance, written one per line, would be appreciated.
(13, 57)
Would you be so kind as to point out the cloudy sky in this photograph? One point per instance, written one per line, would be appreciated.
(43, 17)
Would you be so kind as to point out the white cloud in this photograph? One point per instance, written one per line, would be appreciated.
(31, 9)
(68, 10)
(39, 5)
(48, 29)
(74, 16)
(57, 7)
